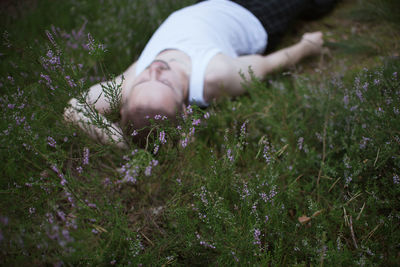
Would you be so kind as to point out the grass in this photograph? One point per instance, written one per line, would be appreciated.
(303, 170)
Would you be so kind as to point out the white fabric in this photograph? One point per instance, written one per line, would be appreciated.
(203, 30)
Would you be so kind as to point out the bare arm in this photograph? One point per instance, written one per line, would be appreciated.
(78, 114)
(229, 81)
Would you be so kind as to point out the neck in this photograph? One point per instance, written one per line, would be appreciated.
(181, 63)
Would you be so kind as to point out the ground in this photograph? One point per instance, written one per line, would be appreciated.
(302, 171)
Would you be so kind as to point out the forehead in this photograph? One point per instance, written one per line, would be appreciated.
(153, 94)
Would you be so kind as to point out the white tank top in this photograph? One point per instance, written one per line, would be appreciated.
(202, 31)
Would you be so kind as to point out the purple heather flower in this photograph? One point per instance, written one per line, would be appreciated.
(156, 149)
(79, 169)
(300, 143)
(147, 171)
(189, 109)
(229, 155)
(51, 38)
(184, 142)
(365, 86)
(162, 137)
(346, 100)
(196, 122)
(207, 115)
(61, 215)
(396, 179)
(363, 142)
(94, 231)
(85, 156)
(92, 205)
(51, 142)
(70, 81)
(243, 128)
(256, 235)
(157, 117)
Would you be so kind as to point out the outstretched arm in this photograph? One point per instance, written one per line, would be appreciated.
(78, 114)
(230, 79)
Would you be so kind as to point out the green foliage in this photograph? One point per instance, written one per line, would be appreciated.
(303, 170)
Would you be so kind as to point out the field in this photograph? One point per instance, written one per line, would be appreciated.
(303, 170)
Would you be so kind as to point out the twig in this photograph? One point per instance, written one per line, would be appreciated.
(373, 231)
(147, 238)
(323, 154)
(359, 214)
(337, 180)
(352, 233)
(346, 220)
(377, 156)
(353, 197)
(297, 179)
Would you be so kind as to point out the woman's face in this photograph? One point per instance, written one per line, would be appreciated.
(162, 76)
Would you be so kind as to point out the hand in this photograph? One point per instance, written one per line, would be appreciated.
(313, 41)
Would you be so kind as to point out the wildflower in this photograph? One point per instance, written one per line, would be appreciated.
(51, 38)
(92, 205)
(363, 142)
(256, 235)
(189, 109)
(134, 133)
(204, 243)
(147, 171)
(266, 153)
(396, 179)
(156, 149)
(32, 210)
(348, 179)
(79, 169)
(207, 115)
(300, 143)
(51, 142)
(229, 155)
(107, 181)
(94, 231)
(346, 100)
(70, 81)
(162, 138)
(85, 156)
(93, 47)
(184, 142)
(196, 122)
(157, 117)
(234, 256)
(113, 262)
(61, 215)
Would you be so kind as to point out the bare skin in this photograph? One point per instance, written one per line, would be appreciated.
(165, 82)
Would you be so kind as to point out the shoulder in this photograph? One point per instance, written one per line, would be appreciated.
(218, 72)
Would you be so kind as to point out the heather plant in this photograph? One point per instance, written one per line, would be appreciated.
(303, 170)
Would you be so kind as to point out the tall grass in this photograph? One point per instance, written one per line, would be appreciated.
(303, 170)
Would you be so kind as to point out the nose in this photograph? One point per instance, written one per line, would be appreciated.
(155, 70)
